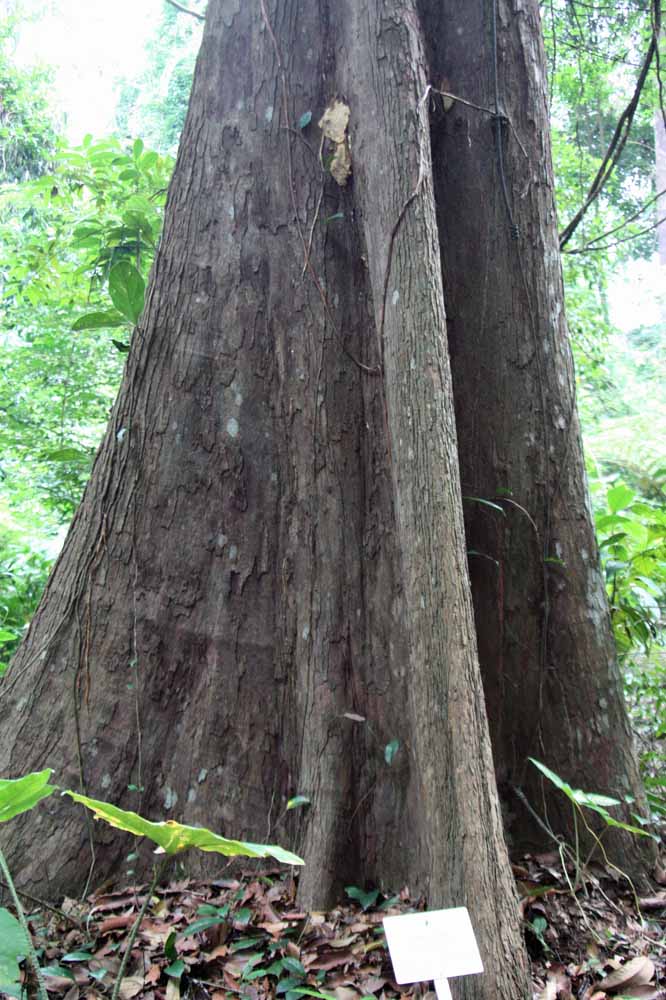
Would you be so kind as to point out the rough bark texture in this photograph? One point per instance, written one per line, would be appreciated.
(272, 536)
(545, 643)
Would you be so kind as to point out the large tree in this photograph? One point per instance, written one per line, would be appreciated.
(264, 591)
(546, 646)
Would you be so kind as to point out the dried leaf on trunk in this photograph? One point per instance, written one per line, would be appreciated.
(333, 124)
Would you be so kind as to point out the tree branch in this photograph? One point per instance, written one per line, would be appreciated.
(186, 10)
(615, 146)
(590, 245)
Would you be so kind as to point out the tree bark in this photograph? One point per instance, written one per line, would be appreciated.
(272, 537)
(546, 647)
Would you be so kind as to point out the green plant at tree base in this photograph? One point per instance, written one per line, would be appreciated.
(172, 839)
(22, 794)
(598, 804)
(17, 796)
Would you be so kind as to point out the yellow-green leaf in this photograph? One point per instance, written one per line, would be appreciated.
(172, 837)
(18, 795)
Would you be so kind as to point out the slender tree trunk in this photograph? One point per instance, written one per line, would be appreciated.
(546, 647)
(272, 538)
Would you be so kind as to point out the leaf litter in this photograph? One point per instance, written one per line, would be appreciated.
(246, 938)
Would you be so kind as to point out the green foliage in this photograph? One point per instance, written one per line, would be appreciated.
(77, 247)
(22, 794)
(13, 949)
(154, 104)
(19, 795)
(595, 53)
(598, 804)
(174, 838)
(27, 132)
(23, 574)
(632, 538)
(594, 57)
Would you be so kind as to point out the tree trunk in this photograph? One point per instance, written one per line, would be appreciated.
(546, 647)
(272, 537)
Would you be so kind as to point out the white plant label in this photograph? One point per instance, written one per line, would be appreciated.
(437, 945)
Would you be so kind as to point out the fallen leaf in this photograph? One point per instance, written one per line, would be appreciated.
(345, 993)
(342, 942)
(637, 972)
(558, 986)
(153, 974)
(644, 992)
(116, 923)
(274, 928)
(130, 986)
(330, 960)
(155, 932)
(656, 902)
(372, 983)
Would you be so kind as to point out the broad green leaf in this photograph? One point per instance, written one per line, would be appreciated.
(556, 780)
(176, 969)
(365, 899)
(487, 503)
(99, 321)
(13, 947)
(298, 801)
(19, 795)
(242, 944)
(65, 455)
(202, 924)
(306, 991)
(170, 947)
(390, 750)
(287, 984)
(149, 160)
(619, 497)
(172, 837)
(292, 965)
(305, 119)
(591, 799)
(58, 970)
(630, 829)
(127, 290)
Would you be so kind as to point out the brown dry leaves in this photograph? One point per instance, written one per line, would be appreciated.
(594, 946)
(256, 945)
(249, 941)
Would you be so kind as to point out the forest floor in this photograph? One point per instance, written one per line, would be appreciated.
(245, 938)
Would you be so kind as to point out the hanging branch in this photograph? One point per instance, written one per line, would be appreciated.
(656, 27)
(617, 143)
(186, 10)
(590, 245)
(624, 239)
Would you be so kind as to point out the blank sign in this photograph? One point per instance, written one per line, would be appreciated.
(438, 944)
